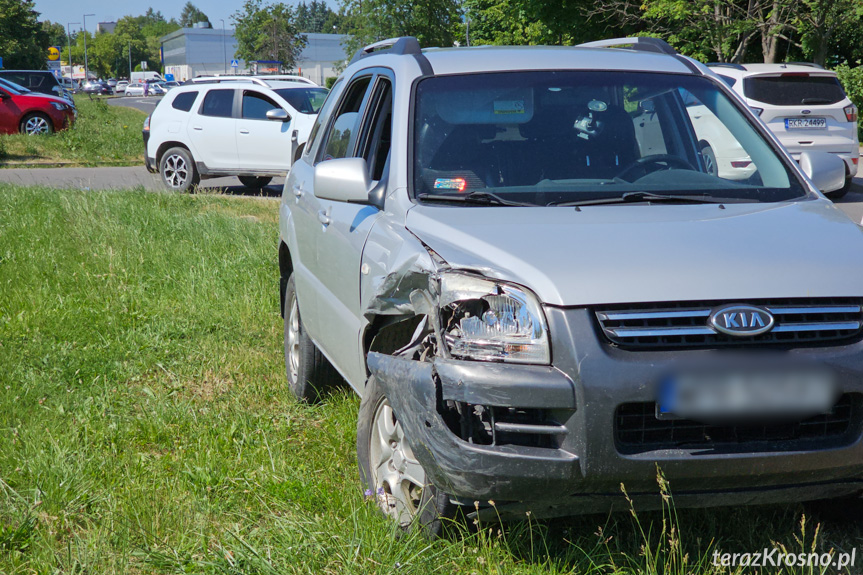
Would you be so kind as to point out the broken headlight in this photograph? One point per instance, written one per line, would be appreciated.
(490, 320)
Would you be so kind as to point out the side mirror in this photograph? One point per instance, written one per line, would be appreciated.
(827, 171)
(278, 115)
(343, 180)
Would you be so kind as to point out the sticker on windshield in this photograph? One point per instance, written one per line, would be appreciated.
(509, 106)
(450, 184)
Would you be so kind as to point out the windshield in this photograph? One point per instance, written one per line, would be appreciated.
(794, 89)
(552, 137)
(304, 100)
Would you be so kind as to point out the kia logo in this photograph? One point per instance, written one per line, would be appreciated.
(741, 320)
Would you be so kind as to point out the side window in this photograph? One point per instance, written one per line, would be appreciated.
(184, 101)
(376, 145)
(323, 114)
(219, 103)
(256, 105)
(342, 133)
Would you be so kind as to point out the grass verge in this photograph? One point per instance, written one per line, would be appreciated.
(145, 424)
(102, 136)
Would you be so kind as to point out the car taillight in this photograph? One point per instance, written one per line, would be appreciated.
(741, 164)
(756, 111)
(147, 124)
(851, 113)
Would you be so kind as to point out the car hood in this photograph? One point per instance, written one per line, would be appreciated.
(652, 253)
(42, 96)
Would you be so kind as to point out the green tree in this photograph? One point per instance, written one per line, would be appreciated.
(190, 15)
(23, 41)
(315, 17)
(267, 33)
(433, 22)
(55, 32)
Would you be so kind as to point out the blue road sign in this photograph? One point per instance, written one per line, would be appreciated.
(1, 63)
(235, 63)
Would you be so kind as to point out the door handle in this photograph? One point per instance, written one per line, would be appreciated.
(197, 128)
(298, 191)
(324, 217)
(244, 131)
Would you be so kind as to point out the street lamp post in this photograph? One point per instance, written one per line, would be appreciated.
(224, 49)
(86, 65)
(130, 61)
(69, 42)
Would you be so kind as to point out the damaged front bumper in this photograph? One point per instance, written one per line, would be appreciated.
(545, 438)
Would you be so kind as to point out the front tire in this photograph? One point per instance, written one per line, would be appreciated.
(34, 124)
(309, 373)
(389, 471)
(254, 181)
(178, 170)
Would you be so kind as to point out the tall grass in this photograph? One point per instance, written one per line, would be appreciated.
(103, 135)
(145, 424)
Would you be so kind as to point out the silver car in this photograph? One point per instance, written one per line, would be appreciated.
(521, 261)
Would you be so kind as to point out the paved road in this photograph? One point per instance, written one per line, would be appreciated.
(121, 178)
(139, 177)
(146, 105)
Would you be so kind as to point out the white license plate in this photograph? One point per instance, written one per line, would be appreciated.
(747, 394)
(805, 123)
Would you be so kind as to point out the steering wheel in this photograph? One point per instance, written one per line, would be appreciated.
(646, 161)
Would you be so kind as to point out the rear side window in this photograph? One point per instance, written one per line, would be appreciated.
(184, 101)
(219, 103)
(794, 89)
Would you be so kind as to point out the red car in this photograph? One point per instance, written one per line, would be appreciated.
(31, 112)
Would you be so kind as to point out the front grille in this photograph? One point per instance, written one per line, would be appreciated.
(799, 323)
(636, 430)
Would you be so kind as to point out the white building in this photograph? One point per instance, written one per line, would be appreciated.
(199, 51)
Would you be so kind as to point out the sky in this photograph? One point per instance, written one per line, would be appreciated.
(63, 11)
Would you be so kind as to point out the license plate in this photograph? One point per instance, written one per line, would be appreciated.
(805, 123)
(747, 394)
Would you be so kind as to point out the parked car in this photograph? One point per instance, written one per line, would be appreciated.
(171, 84)
(158, 88)
(252, 129)
(134, 89)
(804, 105)
(120, 88)
(98, 88)
(37, 81)
(538, 299)
(28, 112)
(68, 84)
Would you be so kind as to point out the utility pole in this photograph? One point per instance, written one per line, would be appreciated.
(69, 42)
(130, 61)
(86, 65)
(224, 49)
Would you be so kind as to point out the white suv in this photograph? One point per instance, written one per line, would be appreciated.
(249, 128)
(804, 105)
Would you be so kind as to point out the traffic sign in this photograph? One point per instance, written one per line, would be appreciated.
(235, 63)
(1, 63)
(53, 53)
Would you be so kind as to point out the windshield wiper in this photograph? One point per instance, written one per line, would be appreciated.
(476, 198)
(650, 197)
(811, 101)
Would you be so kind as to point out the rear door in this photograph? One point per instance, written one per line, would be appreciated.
(805, 110)
(212, 130)
(262, 144)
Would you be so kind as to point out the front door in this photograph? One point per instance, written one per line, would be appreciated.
(262, 144)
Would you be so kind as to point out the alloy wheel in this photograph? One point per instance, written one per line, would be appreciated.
(176, 171)
(36, 125)
(397, 476)
(293, 340)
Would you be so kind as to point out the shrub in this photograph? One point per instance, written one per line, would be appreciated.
(852, 80)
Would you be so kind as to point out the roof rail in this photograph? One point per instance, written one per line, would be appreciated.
(643, 43)
(220, 79)
(284, 78)
(397, 46)
(808, 64)
(726, 65)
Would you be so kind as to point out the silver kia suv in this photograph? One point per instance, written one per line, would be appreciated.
(521, 261)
